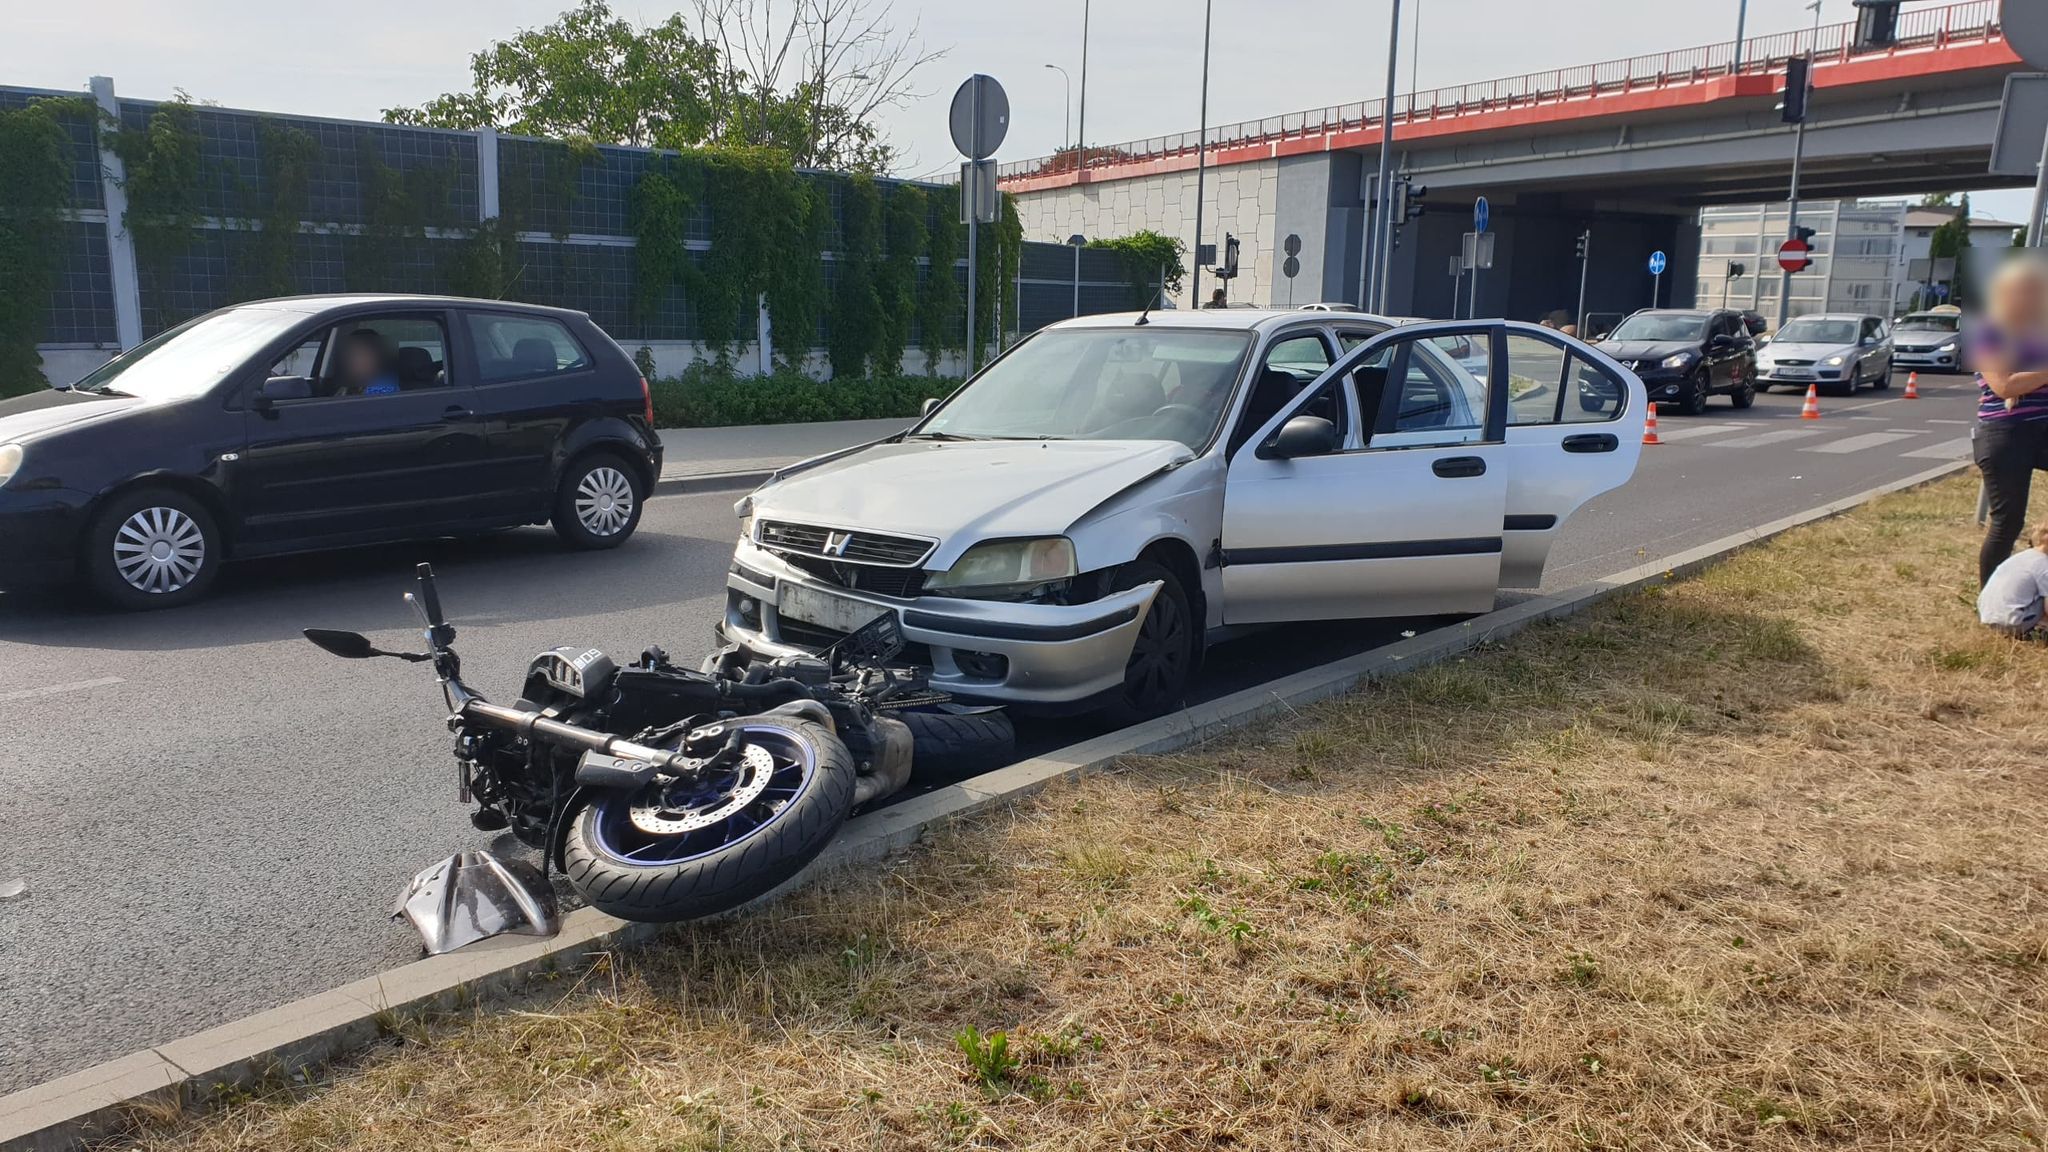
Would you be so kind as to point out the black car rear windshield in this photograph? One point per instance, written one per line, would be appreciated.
(194, 357)
(1660, 328)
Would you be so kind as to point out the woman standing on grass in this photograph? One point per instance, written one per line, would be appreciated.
(2009, 348)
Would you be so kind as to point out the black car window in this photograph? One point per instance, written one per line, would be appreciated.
(371, 356)
(512, 347)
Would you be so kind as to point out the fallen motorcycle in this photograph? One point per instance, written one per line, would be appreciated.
(663, 793)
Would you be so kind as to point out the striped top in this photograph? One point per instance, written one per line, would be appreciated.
(2027, 354)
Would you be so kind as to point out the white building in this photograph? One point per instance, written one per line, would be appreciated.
(1858, 257)
(1989, 237)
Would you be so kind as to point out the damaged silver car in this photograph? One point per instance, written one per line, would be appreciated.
(1070, 529)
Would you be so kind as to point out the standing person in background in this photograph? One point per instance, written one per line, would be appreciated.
(2009, 348)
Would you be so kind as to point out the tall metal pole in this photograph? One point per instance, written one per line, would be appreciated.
(2040, 199)
(1741, 27)
(1383, 237)
(1067, 117)
(1798, 156)
(1081, 137)
(1585, 265)
(1202, 152)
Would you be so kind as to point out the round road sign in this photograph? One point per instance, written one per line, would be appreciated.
(1795, 255)
(980, 117)
(1482, 214)
(1658, 263)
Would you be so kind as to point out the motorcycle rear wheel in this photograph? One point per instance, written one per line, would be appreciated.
(617, 866)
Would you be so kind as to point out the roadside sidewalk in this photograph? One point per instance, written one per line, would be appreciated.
(697, 453)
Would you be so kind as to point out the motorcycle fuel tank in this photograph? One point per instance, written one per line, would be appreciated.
(474, 896)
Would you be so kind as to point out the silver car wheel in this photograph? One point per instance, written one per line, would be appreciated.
(159, 550)
(604, 501)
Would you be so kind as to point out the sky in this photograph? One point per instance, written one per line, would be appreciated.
(1144, 79)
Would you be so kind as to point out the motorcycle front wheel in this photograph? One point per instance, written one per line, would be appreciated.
(696, 849)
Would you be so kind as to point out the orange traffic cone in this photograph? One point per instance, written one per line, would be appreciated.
(1811, 409)
(1650, 426)
(1912, 386)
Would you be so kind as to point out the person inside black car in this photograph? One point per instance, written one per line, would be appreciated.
(364, 368)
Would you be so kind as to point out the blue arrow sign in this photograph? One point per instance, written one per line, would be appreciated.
(1657, 263)
(1482, 214)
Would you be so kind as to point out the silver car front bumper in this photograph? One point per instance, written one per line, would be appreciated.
(1043, 654)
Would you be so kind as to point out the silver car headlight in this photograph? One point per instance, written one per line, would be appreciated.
(1678, 361)
(10, 462)
(744, 509)
(1834, 361)
(1007, 566)
(1948, 347)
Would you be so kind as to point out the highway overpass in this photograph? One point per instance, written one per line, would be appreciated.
(1629, 148)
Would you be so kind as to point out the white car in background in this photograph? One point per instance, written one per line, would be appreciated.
(1932, 340)
(1069, 529)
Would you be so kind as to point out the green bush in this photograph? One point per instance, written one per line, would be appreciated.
(707, 396)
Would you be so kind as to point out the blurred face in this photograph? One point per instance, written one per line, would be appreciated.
(358, 361)
(2019, 299)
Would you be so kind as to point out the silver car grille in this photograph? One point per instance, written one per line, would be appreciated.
(835, 544)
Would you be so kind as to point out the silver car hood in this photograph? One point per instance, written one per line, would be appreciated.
(1813, 352)
(966, 491)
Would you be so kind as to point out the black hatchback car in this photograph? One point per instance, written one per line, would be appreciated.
(1686, 356)
(322, 422)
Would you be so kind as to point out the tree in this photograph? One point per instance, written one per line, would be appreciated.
(1952, 239)
(810, 76)
(804, 77)
(588, 74)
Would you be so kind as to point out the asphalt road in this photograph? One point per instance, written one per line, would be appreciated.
(213, 817)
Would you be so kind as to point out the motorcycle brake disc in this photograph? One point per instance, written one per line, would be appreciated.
(681, 808)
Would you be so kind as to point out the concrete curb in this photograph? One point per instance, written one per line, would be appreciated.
(292, 1039)
(711, 482)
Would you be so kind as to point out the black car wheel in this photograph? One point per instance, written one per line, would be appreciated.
(1744, 394)
(598, 502)
(152, 548)
(1692, 399)
(1163, 658)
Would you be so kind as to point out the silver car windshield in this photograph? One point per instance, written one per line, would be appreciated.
(192, 358)
(1152, 383)
(1819, 332)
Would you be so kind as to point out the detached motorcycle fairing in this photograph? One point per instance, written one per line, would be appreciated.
(474, 896)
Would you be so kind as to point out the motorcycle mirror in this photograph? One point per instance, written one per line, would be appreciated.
(347, 645)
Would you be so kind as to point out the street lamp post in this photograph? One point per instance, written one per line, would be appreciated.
(1383, 238)
(1741, 26)
(1081, 137)
(1066, 117)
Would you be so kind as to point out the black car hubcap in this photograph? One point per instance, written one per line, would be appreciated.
(1159, 659)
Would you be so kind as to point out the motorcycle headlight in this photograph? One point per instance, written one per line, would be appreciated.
(1007, 566)
(1679, 361)
(10, 462)
(1835, 361)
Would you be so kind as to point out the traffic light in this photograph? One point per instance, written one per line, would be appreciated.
(1412, 199)
(1737, 269)
(1585, 242)
(1398, 210)
(1228, 269)
(1793, 109)
(1805, 234)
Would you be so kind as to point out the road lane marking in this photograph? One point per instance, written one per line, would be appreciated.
(1688, 431)
(1951, 421)
(1957, 449)
(54, 689)
(1763, 438)
(1859, 443)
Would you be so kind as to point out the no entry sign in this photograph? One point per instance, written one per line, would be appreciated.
(1795, 255)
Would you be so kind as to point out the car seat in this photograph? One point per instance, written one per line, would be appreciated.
(417, 369)
(533, 356)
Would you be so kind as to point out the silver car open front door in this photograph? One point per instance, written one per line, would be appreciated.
(1573, 432)
(1394, 510)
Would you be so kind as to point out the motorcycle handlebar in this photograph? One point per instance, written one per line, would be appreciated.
(429, 598)
(534, 725)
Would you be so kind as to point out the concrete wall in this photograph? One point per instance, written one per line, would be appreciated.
(1242, 199)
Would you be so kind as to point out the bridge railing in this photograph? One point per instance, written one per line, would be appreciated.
(1924, 29)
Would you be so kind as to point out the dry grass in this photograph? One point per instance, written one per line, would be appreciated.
(1755, 861)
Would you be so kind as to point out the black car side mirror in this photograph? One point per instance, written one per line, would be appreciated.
(1721, 343)
(1301, 436)
(286, 388)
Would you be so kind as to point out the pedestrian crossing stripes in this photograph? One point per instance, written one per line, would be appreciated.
(1828, 441)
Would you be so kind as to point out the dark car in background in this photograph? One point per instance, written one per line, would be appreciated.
(322, 422)
(1685, 356)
